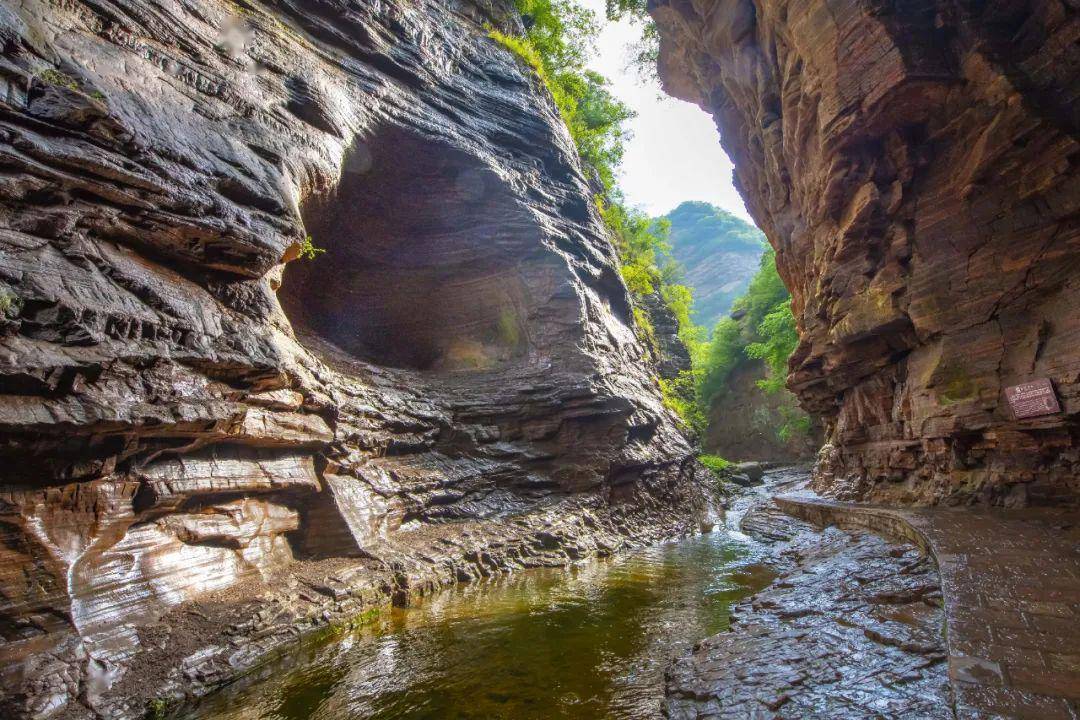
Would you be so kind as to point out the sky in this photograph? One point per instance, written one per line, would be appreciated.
(674, 154)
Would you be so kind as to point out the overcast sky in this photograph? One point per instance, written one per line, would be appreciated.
(675, 152)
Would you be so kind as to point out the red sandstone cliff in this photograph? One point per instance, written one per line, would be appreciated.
(915, 165)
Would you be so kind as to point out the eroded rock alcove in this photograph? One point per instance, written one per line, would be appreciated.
(425, 253)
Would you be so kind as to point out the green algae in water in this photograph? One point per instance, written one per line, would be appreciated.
(590, 641)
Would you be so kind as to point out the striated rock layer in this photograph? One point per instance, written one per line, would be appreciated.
(916, 165)
(189, 410)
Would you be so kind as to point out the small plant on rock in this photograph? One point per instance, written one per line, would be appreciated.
(158, 709)
(10, 303)
(308, 249)
(716, 464)
(53, 76)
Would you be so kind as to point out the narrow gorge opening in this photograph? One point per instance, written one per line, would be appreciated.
(421, 270)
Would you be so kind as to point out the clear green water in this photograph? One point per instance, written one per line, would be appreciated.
(590, 641)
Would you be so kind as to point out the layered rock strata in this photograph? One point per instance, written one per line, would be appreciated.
(917, 168)
(671, 355)
(189, 409)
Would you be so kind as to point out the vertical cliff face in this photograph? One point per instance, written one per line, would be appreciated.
(745, 421)
(915, 165)
(185, 404)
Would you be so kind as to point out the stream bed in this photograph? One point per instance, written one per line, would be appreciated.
(588, 641)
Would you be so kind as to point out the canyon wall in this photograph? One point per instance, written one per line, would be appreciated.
(916, 165)
(745, 421)
(193, 398)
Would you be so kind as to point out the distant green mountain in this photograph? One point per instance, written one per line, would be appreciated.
(719, 253)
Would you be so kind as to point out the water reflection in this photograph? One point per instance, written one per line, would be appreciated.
(590, 641)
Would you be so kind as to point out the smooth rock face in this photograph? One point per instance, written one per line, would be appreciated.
(915, 165)
(186, 407)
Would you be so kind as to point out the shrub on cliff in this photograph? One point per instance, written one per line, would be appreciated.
(556, 45)
(646, 263)
(308, 249)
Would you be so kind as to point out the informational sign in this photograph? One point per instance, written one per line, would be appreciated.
(1032, 399)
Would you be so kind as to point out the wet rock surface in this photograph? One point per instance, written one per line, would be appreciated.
(200, 645)
(1012, 596)
(852, 628)
(916, 168)
(188, 410)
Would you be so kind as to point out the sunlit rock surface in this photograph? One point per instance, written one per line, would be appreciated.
(915, 165)
(189, 411)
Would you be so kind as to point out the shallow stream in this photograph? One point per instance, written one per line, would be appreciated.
(589, 641)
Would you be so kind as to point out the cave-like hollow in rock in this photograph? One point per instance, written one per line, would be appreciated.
(425, 260)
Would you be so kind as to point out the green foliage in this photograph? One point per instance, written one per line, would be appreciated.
(157, 709)
(680, 300)
(778, 340)
(523, 49)
(701, 223)
(308, 250)
(645, 329)
(715, 463)
(644, 251)
(701, 235)
(55, 77)
(646, 51)
(795, 423)
(716, 359)
(765, 293)
(647, 267)
(730, 339)
(10, 303)
(641, 248)
(765, 330)
(678, 396)
(556, 46)
(52, 76)
(638, 279)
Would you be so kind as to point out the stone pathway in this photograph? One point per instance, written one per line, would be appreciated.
(1011, 586)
